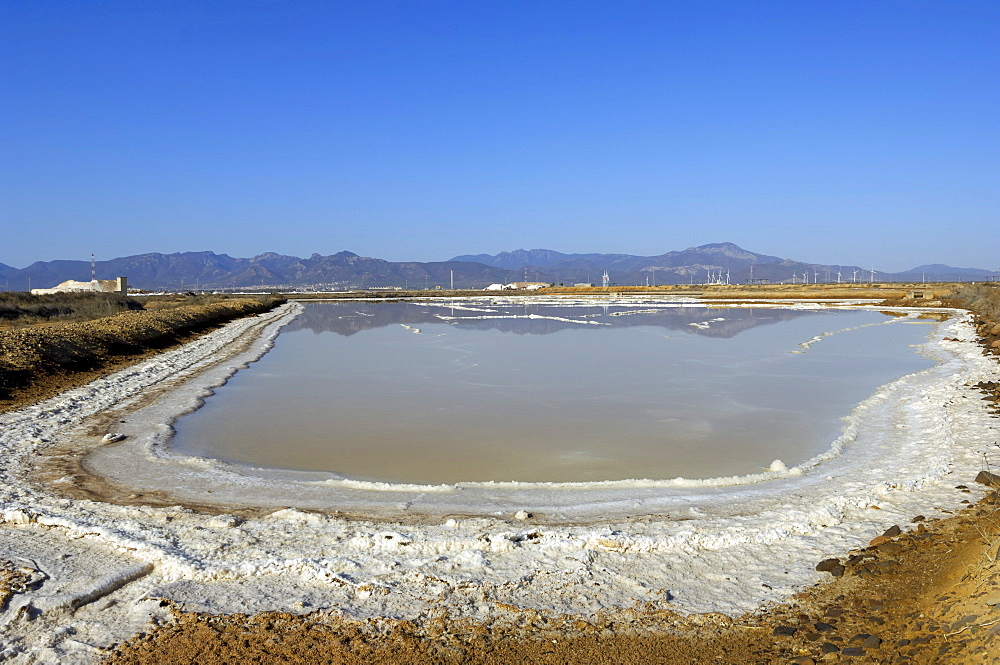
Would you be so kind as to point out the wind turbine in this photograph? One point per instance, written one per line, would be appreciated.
(854, 275)
(872, 278)
(838, 277)
(815, 276)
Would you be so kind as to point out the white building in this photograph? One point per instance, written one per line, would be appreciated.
(117, 285)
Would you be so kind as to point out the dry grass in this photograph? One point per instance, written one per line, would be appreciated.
(983, 298)
(20, 309)
(32, 353)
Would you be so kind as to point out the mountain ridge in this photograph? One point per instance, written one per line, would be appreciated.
(713, 262)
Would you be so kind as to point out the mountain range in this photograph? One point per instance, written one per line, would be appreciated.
(345, 270)
(712, 262)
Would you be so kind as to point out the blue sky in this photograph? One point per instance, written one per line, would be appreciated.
(831, 132)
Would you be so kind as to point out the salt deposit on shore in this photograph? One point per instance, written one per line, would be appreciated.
(312, 541)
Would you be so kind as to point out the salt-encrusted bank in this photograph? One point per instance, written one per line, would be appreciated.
(724, 545)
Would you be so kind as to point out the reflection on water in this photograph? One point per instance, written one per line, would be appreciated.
(515, 317)
(422, 392)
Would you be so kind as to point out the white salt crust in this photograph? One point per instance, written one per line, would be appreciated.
(727, 545)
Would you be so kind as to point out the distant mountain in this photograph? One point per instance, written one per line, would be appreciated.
(716, 262)
(519, 258)
(712, 262)
(723, 262)
(715, 253)
(937, 272)
(207, 270)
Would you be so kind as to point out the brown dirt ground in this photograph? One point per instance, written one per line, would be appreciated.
(12, 580)
(53, 384)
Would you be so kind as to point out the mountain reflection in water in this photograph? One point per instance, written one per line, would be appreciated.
(638, 389)
(349, 318)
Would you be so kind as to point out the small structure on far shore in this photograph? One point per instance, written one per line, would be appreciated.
(117, 285)
(517, 286)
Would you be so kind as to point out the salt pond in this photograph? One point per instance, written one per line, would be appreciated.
(559, 390)
(299, 541)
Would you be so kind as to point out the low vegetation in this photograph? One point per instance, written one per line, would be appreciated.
(983, 300)
(32, 356)
(19, 308)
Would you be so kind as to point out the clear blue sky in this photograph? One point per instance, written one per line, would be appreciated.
(832, 132)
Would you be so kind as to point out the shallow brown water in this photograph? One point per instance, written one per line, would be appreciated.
(418, 392)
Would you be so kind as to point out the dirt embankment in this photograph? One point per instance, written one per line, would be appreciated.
(983, 300)
(40, 361)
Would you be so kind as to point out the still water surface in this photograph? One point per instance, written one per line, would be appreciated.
(495, 390)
